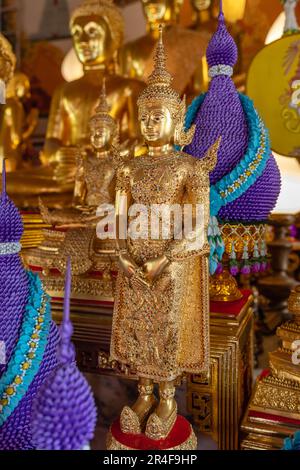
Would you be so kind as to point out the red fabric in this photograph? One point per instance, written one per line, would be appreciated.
(274, 418)
(232, 309)
(264, 374)
(179, 434)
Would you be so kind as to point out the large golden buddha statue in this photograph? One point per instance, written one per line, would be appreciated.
(160, 322)
(186, 47)
(97, 30)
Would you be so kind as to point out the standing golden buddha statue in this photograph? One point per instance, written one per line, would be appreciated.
(161, 314)
(97, 30)
(186, 47)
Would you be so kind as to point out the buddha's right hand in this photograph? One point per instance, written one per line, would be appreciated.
(127, 265)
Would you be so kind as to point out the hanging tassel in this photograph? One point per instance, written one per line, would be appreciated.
(256, 265)
(263, 257)
(246, 265)
(2, 92)
(233, 263)
(217, 247)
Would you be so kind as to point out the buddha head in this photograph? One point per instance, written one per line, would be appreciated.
(97, 28)
(201, 5)
(161, 110)
(103, 128)
(161, 11)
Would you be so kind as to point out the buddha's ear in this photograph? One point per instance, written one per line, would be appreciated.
(210, 159)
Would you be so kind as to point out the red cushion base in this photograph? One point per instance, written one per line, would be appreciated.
(180, 433)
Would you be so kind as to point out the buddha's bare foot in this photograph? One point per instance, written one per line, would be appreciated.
(161, 422)
(133, 419)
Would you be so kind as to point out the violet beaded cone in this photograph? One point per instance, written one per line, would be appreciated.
(64, 415)
(64, 412)
(15, 433)
(221, 113)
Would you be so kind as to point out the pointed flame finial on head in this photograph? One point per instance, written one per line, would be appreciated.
(103, 104)
(160, 75)
(66, 353)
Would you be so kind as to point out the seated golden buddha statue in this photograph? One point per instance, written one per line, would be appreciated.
(16, 127)
(97, 31)
(160, 320)
(73, 231)
(186, 47)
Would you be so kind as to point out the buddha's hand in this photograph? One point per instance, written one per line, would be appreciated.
(127, 265)
(153, 268)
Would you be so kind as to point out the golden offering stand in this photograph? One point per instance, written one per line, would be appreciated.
(274, 409)
(218, 402)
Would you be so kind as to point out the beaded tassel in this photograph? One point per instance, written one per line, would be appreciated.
(246, 265)
(233, 263)
(256, 265)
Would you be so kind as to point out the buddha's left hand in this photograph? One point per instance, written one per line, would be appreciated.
(153, 268)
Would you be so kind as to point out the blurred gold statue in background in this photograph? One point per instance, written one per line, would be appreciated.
(16, 127)
(161, 315)
(97, 30)
(186, 47)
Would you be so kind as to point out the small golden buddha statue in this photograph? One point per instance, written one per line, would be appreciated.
(16, 126)
(73, 230)
(97, 28)
(160, 321)
(186, 47)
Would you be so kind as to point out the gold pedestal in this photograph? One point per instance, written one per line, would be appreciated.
(219, 402)
(33, 229)
(274, 410)
(181, 437)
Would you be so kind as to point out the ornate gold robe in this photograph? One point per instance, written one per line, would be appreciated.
(163, 331)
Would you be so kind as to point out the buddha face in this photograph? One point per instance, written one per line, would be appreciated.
(102, 137)
(164, 11)
(157, 125)
(92, 39)
(200, 5)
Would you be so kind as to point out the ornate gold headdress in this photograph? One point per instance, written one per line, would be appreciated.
(110, 13)
(102, 112)
(159, 90)
(6, 53)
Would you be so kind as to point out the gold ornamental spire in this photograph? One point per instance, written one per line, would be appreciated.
(160, 75)
(159, 88)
